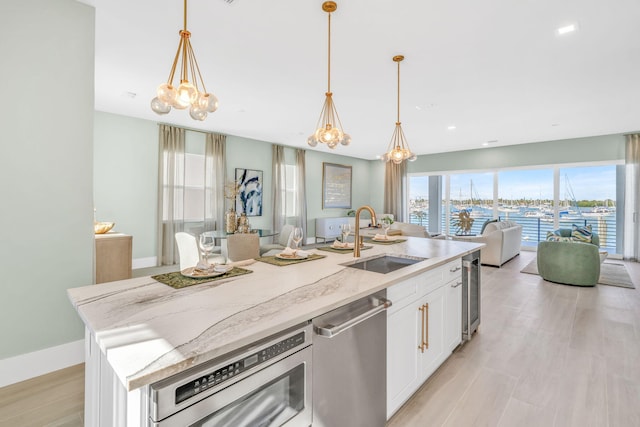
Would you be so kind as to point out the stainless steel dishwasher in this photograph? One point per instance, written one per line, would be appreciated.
(349, 364)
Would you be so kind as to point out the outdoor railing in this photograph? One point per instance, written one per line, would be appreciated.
(535, 229)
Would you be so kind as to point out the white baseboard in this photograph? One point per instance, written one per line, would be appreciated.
(144, 262)
(22, 367)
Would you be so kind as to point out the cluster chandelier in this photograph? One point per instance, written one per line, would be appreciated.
(329, 128)
(192, 95)
(398, 150)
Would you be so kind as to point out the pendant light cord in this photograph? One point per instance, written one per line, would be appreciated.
(185, 15)
(398, 92)
(328, 56)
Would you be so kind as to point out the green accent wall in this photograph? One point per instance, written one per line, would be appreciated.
(126, 152)
(45, 170)
(125, 170)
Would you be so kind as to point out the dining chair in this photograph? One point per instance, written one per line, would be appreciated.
(243, 246)
(284, 240)
(189, 253)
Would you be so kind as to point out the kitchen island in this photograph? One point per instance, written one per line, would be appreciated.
(145, 331)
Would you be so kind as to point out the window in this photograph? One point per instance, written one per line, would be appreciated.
(291, 191)
(539, 199)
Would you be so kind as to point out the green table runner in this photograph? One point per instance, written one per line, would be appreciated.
(282, 262)
(177, 281)
(341, 251)
(380, 242)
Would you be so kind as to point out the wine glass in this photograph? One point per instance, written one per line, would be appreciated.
(345, 229)
(385, 226)
(207, 243)
(297, 237)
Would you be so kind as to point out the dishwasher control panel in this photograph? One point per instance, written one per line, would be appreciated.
(234, 368)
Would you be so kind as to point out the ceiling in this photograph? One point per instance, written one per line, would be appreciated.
(496, 69)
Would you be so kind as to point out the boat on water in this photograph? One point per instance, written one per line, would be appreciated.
(599, 211)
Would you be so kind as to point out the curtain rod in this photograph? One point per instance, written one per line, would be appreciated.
(191, 129)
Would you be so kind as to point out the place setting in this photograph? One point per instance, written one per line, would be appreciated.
(203, 271)
(384, 239)
(288, 256)
(343, 245)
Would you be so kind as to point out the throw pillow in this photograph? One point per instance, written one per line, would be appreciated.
(581, 234)
(554, 233)
(553, 238)
(487, 222)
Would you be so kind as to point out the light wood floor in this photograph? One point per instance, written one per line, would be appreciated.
(544, 355)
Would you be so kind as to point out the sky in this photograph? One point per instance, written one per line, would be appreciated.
(586, 183)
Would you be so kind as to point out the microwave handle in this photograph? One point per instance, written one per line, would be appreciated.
(329, 332)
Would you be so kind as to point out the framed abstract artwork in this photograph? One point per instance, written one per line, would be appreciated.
(336, 186)
(249, 200)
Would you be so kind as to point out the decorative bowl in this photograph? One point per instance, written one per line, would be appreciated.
(102, 227)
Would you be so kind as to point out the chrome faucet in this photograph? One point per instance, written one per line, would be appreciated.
(356, 242)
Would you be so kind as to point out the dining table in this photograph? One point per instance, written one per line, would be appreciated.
(221, 237)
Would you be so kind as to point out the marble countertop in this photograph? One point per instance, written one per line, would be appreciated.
(149, 331)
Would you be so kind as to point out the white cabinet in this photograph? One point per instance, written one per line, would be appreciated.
(422, 325)
(453, 310)
(329, 228)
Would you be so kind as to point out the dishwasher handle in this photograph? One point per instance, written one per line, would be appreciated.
(329, 332)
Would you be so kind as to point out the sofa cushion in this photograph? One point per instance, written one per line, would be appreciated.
(581, 234)
(487, 222)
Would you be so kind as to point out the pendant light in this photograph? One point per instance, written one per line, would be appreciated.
(329, 128)
(192, 95)
(398, 150)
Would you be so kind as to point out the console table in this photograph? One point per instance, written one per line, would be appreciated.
(113, 257)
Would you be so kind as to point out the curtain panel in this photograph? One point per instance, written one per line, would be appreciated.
(394, 179)
(278, 189)
(214, 176)
(301, 187)
(632, 199)
(170, 192)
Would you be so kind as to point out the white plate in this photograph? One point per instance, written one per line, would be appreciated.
(290, 257)
(388, 239)
(190, 272)
(341, 248)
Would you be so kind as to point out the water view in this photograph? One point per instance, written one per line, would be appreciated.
(586, 197)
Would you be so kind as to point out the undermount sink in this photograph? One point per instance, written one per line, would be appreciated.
(384, 263)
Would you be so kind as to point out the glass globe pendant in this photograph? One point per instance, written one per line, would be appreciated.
(398, 150)
(189, 94)
(329, 128)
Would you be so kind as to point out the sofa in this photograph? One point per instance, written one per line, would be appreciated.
(415, 230)
(568, 260)
(502, 239)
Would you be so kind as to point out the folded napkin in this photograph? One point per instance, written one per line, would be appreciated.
(341, 245)
(288, 252)
(203, 267)
(381, 237)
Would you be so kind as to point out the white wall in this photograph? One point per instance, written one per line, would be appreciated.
(46, 245)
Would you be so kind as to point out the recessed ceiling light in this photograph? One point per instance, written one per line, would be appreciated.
(567, 29)
(451, 127)
(484, 144)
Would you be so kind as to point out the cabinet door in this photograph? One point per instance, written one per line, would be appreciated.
(453, 314)
(432, 332)
(403, 356)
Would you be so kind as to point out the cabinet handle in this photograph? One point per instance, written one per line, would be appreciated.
(453, 270)
(421, 345)
(424, 333)
(456, 284)
(426, 309)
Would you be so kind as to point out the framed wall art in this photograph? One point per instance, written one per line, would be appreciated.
(336, 186)
(249, 200)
